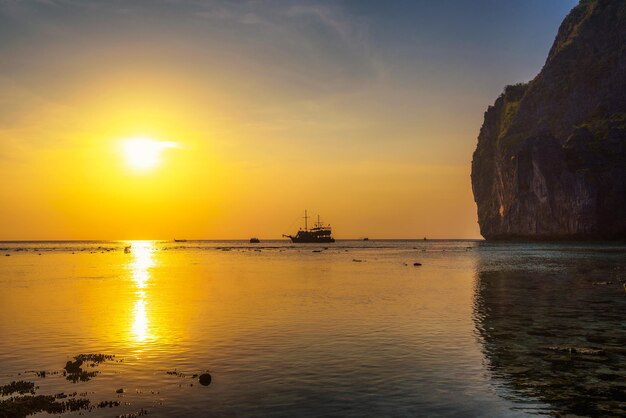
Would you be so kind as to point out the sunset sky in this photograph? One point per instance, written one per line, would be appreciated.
(214, 119)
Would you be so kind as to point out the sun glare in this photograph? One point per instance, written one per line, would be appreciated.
(144, 153)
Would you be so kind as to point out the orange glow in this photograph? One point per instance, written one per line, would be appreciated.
(181, 154)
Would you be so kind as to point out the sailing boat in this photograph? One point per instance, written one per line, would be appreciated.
(318, 233)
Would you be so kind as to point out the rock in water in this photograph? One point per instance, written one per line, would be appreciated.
(551, 156)
(205, 379)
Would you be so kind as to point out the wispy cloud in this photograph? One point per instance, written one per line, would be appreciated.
(349, 29)
(291, 63)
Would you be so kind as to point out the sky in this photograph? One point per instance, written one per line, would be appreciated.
(215, 119)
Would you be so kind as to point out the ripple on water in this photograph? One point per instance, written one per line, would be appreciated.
(493, 330)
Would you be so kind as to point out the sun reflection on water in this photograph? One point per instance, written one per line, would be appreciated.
(142, 253)
(140, 323)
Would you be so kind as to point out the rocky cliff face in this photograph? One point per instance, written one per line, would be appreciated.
(551, 156)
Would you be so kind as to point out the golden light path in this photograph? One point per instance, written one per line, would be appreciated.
(142, 261)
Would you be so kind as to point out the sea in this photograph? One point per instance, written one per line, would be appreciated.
(381, 328)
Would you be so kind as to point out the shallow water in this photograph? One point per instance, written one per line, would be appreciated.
(355, 329)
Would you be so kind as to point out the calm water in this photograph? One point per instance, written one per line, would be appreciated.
(477, 330)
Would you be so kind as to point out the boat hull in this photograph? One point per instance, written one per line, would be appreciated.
(307, 240)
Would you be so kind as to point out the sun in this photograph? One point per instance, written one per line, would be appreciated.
(144, 153)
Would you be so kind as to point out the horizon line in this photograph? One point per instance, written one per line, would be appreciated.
(231, 239)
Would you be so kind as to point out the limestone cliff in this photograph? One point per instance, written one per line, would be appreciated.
(551, 156)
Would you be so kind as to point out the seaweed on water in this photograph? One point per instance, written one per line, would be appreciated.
(108, 404)
(74, 371)
(94, 358)
(137, 414)
(22, 406)
(175, 373)
(81, 376)
(592, 351)
(20, 387)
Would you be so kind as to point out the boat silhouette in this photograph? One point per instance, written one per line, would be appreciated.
(318, 233)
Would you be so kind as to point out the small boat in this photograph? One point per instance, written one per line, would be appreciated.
(180, 240)
(318, 233)
(254, 240)
(366, 239)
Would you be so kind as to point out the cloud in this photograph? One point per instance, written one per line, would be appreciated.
(297, 63)
(351, 31)
(292, 16)
(308, 37)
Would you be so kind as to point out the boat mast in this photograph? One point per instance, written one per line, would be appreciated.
(305, 223)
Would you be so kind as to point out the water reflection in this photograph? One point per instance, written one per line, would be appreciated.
(142, 253)
(538, 313)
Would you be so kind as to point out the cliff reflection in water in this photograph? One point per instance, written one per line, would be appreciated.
(551, 321)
